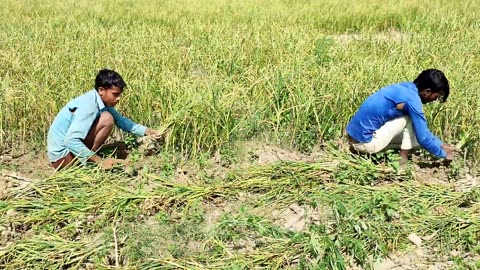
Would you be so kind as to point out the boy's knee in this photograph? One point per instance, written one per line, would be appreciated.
(404, 121)
(106, 119)
(408, 124)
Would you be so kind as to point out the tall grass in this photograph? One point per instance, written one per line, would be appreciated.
(224, 71)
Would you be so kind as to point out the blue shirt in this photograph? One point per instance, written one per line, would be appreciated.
(69, 129)
(380, 107)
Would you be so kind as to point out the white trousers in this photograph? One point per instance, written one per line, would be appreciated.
(394, 134)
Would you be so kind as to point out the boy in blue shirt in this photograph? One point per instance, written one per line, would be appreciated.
(83, 124)
(392, 118)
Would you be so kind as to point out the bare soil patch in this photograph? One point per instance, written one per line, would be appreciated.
(296, 217)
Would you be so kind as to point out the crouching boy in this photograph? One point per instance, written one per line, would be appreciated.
(84, 123)
(392, 118)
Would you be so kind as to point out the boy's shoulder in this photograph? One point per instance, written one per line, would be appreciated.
(88, 98)
(400, 88)
(404, 84)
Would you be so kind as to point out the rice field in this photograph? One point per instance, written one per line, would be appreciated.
(255, 96)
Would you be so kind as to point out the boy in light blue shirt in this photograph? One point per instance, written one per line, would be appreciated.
(84, 123)
(393, 118)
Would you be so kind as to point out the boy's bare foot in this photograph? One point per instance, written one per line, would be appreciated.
(109, 163)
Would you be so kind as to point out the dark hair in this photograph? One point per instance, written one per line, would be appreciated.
(107, 78)
(435, 80)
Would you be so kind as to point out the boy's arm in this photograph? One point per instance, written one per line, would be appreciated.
(126, 124)
(424, 137)
(82, 120)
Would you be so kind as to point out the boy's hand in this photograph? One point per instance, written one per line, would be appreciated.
(450, 150)
(155, 134)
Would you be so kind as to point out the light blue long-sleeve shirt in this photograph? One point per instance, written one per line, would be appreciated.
(70, 128)
(380, 107)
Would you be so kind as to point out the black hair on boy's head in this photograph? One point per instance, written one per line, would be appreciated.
(107, 78)
(434, 80)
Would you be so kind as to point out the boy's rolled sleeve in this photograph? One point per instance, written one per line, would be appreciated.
(126, 124)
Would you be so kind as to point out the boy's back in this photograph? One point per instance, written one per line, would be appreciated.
(380, 108)
(61, 123)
